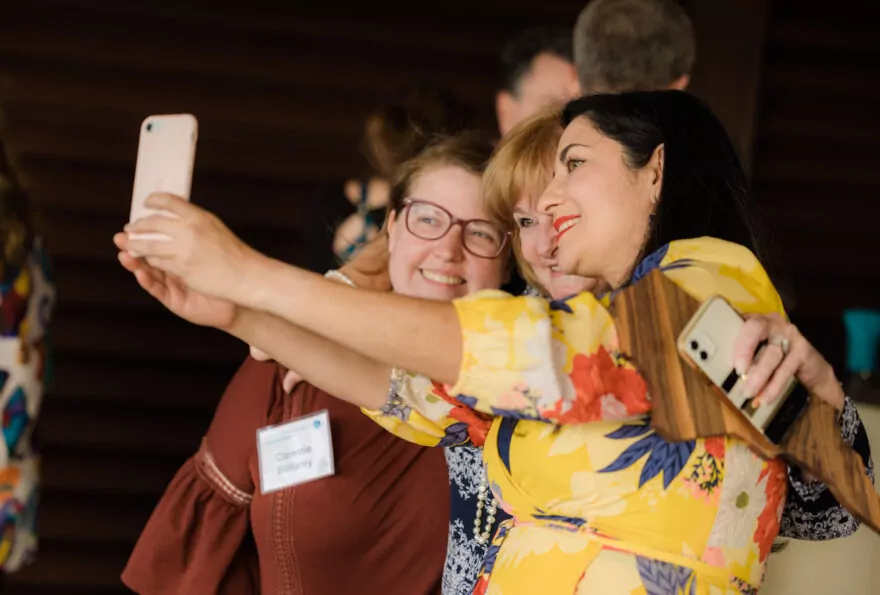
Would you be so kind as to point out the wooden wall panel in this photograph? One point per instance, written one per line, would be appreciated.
(817, 149)
(280, 95)
(730, 36)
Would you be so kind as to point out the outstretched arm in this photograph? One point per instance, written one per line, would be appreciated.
(332, 367)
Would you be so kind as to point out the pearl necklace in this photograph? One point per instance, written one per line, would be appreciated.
(484, 500)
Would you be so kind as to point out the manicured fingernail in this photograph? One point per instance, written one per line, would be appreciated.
(749, 387)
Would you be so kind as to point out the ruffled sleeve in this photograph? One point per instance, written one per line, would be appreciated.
(421, 411)
(195, 540)
(811, 511)
(198, 539)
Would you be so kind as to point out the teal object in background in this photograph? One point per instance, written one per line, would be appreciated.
(862, 340)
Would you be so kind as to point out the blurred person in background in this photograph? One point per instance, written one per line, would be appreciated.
(26, 301)
(393, 133)
(633, 45)
(536, 72)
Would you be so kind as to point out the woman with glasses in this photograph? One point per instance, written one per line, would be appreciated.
(379, 524)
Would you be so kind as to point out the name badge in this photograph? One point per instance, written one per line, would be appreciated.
(295, 452)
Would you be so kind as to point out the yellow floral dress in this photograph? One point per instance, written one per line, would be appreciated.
(600, 503)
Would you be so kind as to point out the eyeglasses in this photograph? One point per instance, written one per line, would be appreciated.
(428, 221)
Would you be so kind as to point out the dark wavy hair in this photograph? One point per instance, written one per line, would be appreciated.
(704, 190)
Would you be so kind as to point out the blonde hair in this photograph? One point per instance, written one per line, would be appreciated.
(521, 166)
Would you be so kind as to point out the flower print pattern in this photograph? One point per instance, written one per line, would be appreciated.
(664, 578)
(576, 459)
(707, 470)
(668, 458)
(743, 498)
(604, 391)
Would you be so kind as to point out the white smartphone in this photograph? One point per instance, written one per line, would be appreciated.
(165, 161)
(707, 343)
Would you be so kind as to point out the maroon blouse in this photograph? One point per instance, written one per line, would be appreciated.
(378, 526)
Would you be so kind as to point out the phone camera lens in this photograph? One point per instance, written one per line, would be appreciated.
(694, 345)
(704, 356)
(149, 127)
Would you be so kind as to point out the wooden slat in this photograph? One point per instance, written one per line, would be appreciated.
(384, 24)
(106, 472)
(853, 126)
(73, 565)
(793, 193)
(820, 294)
(125, 91)
(733, 33)
(292, 59)
(120, 428)
(118, 147)
(794, 35)
(112, 519)
(107, 190)
(793, 219)
(146, 382)
(109, 287)
(805, 258)
(89, 236)
(831, 84)
(102, 332)
(778, 162)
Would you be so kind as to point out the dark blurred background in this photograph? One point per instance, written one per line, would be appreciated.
(281, 95)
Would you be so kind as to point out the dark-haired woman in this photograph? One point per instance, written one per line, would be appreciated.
(601, 504)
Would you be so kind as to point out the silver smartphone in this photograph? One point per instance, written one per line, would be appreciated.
(708, 342)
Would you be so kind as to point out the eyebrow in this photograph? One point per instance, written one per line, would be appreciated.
(564, 152)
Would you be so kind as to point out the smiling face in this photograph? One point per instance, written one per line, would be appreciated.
(537, 246)
(600, 206)
(442, 269)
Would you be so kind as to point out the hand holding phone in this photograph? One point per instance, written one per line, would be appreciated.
(165, 161)
(707, 343)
